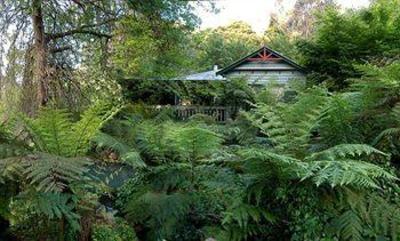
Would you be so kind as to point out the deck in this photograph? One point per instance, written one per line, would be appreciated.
(184, 112)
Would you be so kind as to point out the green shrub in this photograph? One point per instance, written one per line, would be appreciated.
(120, 231)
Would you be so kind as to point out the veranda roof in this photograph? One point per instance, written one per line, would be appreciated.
(202, 76)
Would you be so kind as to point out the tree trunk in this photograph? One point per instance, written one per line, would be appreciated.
(28, 87)
(40, 53)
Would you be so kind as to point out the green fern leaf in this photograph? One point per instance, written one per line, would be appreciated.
(343, 151)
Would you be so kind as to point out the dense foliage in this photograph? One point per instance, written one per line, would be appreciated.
(367, 35)
(97, 160)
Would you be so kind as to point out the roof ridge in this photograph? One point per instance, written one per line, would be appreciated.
(264, 47)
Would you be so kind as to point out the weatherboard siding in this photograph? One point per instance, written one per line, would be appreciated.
(265, 78)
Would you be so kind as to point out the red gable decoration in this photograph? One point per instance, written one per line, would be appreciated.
(265, 55)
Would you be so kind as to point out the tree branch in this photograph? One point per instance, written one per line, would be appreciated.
(84, 29)
(78, 31)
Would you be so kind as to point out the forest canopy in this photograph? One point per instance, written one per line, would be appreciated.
(91, 148)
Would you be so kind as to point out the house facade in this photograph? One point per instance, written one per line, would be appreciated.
(258, 68)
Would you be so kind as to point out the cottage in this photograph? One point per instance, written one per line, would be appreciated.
(259, 68)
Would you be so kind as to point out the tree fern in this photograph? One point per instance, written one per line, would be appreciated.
(51, 131)
(347, 173)
(241, 220)
(54, 131)
(150, 140)
(159, 210)
(89, 125)
(343, 151)
(290, 126)
(364, 216)
(389, 139)
(194, 143)
(10, 169)
(58, 141)
(51, 163)
(350, 226)
(53, 206)
(185, 181)
(327, 167)
(52, 173)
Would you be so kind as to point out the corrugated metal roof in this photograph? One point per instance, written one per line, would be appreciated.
(202, 76)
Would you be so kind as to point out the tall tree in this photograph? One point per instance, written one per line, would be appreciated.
(301, 20)
(48, 29)
(345, 39)
(224, 45)
(53, 33)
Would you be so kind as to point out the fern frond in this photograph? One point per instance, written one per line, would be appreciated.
(194, 143)
(50, 131)
(89, 125)
(243, 220)
(259, 161)
(384, 216)
(133, 159)
(54, 206)
(243, 214)
(343, 151)
(289, 126)
(162, 211)
(264, 155)
(10, 169)
(368, 213)
(350, 226)
(388, 133)
(170, 176)
(106, 141)
(150, 140)
(347, 172)
(51, 173)
(13, 149)
(396, 112)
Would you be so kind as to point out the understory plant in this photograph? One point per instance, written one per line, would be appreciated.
(330, 188)
(316, 166)
(277, 169)
(45, 159)
(180, 184)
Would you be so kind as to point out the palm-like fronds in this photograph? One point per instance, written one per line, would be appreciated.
(53, 173)
(347, 173)
(294, 158)
(350, 226)
(10, 169)
(89, 125)
(53, 161)
(53, 206)
(54, 131)
(194, 143)
(171, 190)
(389, 139)
(50, 163)
(365, 215)
(343, 151)
(290, 126)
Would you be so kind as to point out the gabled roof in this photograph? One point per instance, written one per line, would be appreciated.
(264, 53)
